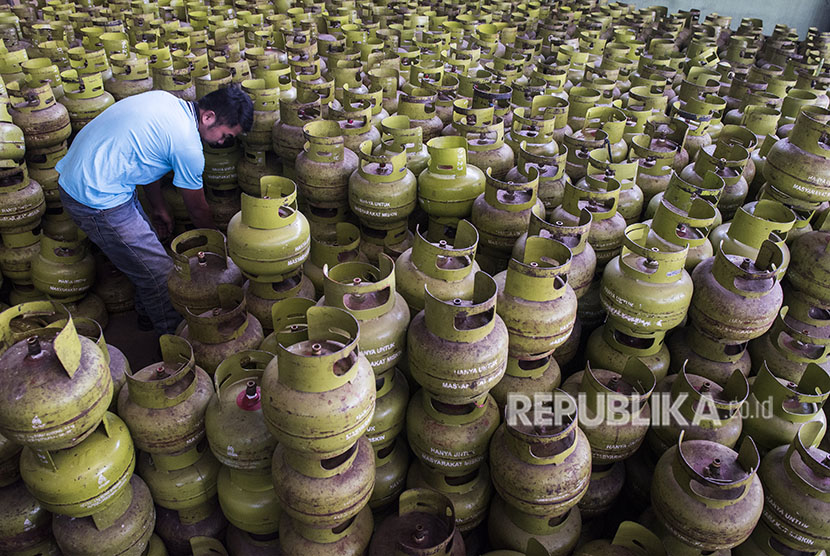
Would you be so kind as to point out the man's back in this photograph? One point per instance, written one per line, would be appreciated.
(134, 142)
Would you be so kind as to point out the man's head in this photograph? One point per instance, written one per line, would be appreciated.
(224, 114)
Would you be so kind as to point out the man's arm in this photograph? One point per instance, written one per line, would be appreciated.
(197, 208)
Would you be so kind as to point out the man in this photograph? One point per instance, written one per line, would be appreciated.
(136, 141)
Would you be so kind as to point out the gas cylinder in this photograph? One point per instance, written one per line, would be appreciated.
(501, 214)
(69, 481)
(161, 424)
(368, 293)
(113, 287)
(809, 272)
(350, 538)
(222, 331)
(470, 494)
(458, 349)
(795, 505)
(16, 254)
(85, 97)
(786, 350)
(44, 121)
(575, 237)
(343, 248)
(234, 423)
(181, 482)
(419, 105)
(687, 225)
(390, 409)
(450, 439)
(681, 193)
(319, 390)
(269, 237)
(398, 133)
(262, 296)
(657, 152)
(24, 523)
(509, 528)
(645, 290)
(9, 461)
(253, 165)
(449, 186)
(484, 133)
(64, 270)
(23, 199)
(611, 348)
(241, 543)
(604, 488)
(542, 469)
(12, 142)
(695, 515)
(527, 376)
(737, 299)
(383, 192)
(424, 524)
(711, 359)
(287, 135)
(535, 300)
(288, 317)
(248, 499)
(798, 164)
(616, 415)
(130, 75)
(130, 531)
(200, 265)
(551, 172)
(447, 271)
(391, 465)
(327, 492)
(59, 360)
(536, 125)
(631, 539)
(324, 167)
(220, 166)
(177, 528)
(707, 411)
(777, 408)
(728, 161)
(631, 196)
(265, 97)
(355, 121)
(603, 128)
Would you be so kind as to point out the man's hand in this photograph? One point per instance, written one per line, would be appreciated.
(197, 208)
(163, 223)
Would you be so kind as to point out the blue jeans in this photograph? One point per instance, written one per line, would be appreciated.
(127, 238)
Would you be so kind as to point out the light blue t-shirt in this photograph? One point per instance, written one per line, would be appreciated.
(134, 142)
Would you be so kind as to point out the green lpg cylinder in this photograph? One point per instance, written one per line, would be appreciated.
(613, 439)
(541, 470)
(694, 517)
(242, 543)
(344, 247)
(687, 225)
(9, 461)
(181, 482)
(265, 97)
(709, 411)
(64, 270)
(657, 151)
(727, 160)
(645, 290)
(447, 271)
(355, 121)
(129, 533)
(287, 138)
(12, 141)
(777, 408)
(611, 348)
(248, 499)
(484, 133)
(44, 121)
(604, 489)
(176, 528)
(501, 214)
(261, 297)
(425, 522)
(24, 523)
(69, 482)
(368, 293)
(85, 97)
(222, 331)
(457, 349)
(391, 465)
(786, 350)
(449, 186)
(551, 173)
(540, 373)
(58, 360)
(631, 539)
(809, 271)
(350, 538)
(318, 392)
(509, 528)
(269, 238)
(16, 254)
(575, 237)
(737, 298)
(535, 301)
(234, 425)
(419, 105)
(23, 199)
(536, 124)
(399, 133)
(706, 357)
(288, 319)
(451, 439)
(165, 424)
(200, 265)
(681, 194)
(324, 493)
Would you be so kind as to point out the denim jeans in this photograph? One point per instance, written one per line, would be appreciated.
(127, 238)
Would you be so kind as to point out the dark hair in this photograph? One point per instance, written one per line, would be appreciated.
(231, 105)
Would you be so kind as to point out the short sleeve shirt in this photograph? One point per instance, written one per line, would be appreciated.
(134, 142)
